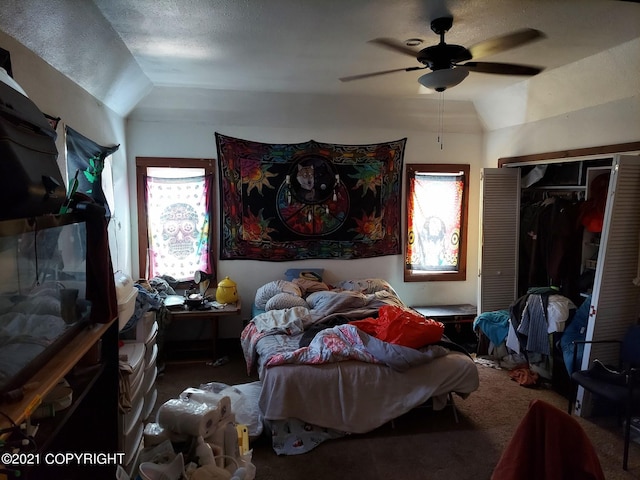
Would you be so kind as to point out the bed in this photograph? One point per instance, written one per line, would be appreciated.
(324, 376)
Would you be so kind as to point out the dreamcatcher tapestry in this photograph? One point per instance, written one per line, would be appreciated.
(309, 200)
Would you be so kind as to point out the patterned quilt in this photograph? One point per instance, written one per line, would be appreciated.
(351, 299)
(284, 328)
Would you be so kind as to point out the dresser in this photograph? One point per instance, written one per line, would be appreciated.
(138, 356)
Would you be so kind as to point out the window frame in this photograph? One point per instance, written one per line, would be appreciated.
(142, 163)
(410, 275)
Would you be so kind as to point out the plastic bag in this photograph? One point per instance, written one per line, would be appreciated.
(402, 326)
(244, 403)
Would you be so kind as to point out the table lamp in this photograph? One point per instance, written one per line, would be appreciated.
(202, 279)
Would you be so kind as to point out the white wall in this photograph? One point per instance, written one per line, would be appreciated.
(296, 119)
(171, 137)
(591, 102)
(607, 124)
(56, 95)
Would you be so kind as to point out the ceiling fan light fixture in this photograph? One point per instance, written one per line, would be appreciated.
(440, 80)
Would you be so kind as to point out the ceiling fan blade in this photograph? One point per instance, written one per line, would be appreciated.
(505, 42)
(502, 68)
(394, 45)
(375, 74)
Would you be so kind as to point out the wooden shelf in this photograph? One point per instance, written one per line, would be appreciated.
(48, 377)
(49, 428)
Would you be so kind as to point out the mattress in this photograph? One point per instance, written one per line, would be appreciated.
(357, 397)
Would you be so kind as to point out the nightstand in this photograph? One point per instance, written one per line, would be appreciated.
(183, 314)
(457, 319)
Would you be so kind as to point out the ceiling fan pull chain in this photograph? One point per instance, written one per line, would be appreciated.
(441, 121)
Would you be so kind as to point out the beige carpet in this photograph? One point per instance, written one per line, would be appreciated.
(420, 445)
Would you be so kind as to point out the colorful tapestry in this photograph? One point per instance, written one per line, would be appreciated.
(309, 200)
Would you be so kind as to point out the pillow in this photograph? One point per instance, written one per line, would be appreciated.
(308, 273)
(273, 288)
(285, 300)
(309, 286)
(366, 285)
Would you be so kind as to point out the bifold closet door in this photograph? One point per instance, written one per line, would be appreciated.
(500, 226)
(615, 298)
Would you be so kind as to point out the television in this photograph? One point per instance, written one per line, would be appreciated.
(43, 293)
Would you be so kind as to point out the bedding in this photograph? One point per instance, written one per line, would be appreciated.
(28, 326)
(318, 370)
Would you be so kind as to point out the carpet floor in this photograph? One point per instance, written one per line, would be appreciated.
(423, 444)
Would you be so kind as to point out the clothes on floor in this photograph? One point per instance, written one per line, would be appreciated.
(576, 331)
(534, 316)
(495, 325)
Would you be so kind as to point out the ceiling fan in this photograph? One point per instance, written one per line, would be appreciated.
(446, 60)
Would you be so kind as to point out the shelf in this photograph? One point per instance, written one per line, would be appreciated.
(569, 188)
(48, 377)
(48, 428)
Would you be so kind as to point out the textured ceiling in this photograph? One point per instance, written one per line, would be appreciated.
(119, 50)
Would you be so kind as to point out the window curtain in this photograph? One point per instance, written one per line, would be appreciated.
(434, 217)
(178, 222)
(85, 162)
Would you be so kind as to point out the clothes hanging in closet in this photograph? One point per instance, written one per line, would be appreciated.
(551, 245)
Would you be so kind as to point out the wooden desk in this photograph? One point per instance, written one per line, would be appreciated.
(211, 314)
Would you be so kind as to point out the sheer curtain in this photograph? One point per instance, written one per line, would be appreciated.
(179, 223)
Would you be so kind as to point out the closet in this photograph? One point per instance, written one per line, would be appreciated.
(609, 257)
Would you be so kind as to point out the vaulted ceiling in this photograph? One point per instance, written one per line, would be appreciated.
(136, 53)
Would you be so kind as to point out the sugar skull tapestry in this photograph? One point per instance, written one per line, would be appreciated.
(309, 200)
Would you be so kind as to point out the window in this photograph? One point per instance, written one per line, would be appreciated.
(436, 216)
(174, 216)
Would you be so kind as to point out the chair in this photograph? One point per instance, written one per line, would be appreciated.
(548, 443)
(619, 385)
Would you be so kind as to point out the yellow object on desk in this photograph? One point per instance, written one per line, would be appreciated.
(227, 291)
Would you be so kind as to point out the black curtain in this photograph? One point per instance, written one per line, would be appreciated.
(85, 161)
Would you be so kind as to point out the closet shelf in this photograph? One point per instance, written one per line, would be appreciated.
(572, 188)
